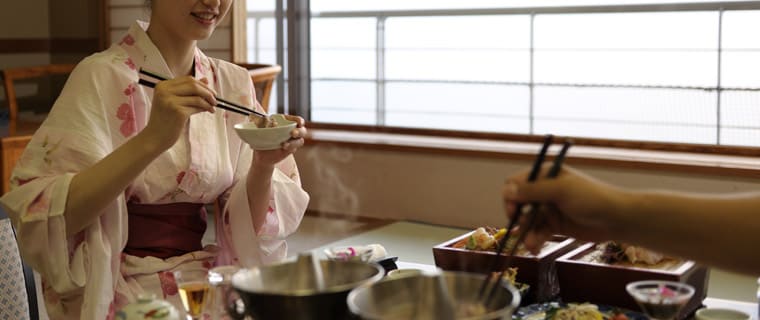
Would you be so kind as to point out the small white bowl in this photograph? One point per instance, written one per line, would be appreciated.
(720, 314)
(266, 138)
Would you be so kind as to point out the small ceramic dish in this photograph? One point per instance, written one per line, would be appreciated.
(720, 314)
(266, 138)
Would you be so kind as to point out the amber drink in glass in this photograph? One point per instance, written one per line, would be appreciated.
(193, 290)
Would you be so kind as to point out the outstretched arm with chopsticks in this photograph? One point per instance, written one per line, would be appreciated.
(719, 230)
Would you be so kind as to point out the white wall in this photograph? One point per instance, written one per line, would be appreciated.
(464, 191)
(450, 190)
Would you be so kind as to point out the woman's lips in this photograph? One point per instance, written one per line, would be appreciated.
(204, 18)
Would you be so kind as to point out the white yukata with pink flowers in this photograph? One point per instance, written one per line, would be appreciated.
(101, 107)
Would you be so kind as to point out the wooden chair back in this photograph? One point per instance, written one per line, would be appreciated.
(11, 77)
(11, 149)
(263, 76)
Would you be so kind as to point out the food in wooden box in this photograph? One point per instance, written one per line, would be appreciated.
(536, 271)
(605, 282)
(613, 252)
(488, 239)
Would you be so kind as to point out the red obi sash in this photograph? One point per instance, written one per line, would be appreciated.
(165, 230)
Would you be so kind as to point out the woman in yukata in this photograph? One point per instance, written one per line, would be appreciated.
(108, 197)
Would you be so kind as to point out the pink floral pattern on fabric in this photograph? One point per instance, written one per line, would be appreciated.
(191, 175)
(127, 115)
(168, 283)
(40, 204)
(180, 176)
(131, 88)
(51, 297)
(271, 225)
(198, 66)
(21, 182)
(119, 300)
(213, 74)
(111, 312)
(128, 40)
(130, 64)
(74, 242)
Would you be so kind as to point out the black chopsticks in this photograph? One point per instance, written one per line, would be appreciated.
(221, 103)
(535, 170)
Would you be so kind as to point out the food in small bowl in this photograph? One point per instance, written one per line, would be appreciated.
(269, 136)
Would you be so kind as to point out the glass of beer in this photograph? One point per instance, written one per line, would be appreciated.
(223, 295)
(193, 290)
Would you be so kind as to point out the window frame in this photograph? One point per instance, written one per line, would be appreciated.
(302, 72)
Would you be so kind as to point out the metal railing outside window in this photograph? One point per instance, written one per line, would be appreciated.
(684, 73)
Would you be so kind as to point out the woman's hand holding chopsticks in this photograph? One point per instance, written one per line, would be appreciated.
(174, 101)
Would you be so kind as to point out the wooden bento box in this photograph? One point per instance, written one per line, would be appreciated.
(536, 271)
(582, 278)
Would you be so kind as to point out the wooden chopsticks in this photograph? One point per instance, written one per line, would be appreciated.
(535, 170)
(221, 103)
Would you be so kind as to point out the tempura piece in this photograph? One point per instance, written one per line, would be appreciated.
(639, 254)
(616, 252)
(480, 239)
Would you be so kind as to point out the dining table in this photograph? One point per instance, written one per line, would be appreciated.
(412, 243)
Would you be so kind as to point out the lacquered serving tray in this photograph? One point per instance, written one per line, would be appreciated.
(538, 271)
(583, 279)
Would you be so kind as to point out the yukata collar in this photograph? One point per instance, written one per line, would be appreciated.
(202, 170)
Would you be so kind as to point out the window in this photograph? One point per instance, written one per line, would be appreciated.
(625, 70)
(261, 32)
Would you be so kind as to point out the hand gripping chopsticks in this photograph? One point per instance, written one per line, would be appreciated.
(221, 103)
(553, 172)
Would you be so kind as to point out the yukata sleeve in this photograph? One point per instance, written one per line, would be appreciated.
(288, 201)
(73, 137)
